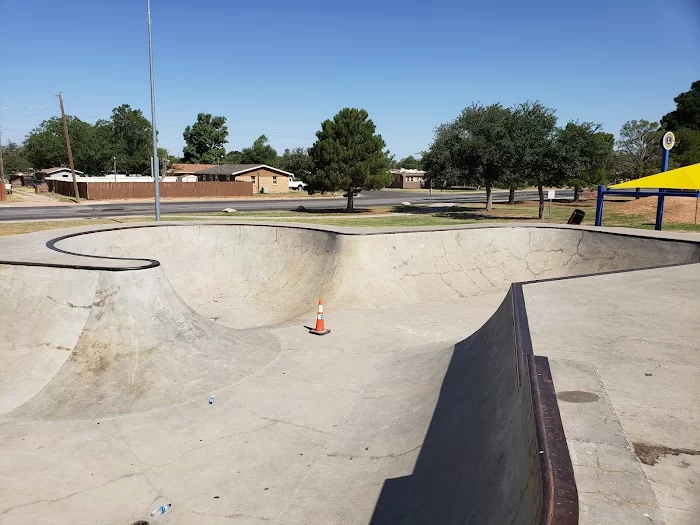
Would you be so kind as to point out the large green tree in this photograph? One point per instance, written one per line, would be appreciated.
(638, 152)
(587, 152)
(129, 133)
(537, 157)
(485, 146)
(687, 112)
(205, 139)
(260, 153)
(298, 162)
(46, 147)
(14, 158)
(349, 155)
(440, 172)
(684, 121)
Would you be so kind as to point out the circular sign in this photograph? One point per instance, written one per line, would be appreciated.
(668, 140)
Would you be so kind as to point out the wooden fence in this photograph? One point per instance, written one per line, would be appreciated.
(144, 190)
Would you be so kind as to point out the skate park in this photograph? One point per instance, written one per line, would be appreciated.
(490, 374)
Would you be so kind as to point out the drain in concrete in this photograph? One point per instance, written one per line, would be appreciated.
(577, 396)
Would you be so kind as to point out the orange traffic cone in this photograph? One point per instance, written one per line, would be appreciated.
(320, 323)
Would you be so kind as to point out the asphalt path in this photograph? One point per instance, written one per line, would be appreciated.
(369, 198)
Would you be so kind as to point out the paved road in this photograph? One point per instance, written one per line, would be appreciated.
(370, 198)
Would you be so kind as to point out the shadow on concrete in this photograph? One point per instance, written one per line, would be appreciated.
(479, 461)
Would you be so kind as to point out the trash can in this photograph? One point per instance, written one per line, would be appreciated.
(576, 217)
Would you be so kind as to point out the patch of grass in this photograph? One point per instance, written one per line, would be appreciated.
(389, 216)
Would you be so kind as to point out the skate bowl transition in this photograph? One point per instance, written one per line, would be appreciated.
(425, 403)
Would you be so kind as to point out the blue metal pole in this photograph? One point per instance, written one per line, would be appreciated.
(599, 206)
(660, 202)
(659, 211)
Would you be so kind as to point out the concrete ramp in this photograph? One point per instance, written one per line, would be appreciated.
(245, 276)
(141, 348)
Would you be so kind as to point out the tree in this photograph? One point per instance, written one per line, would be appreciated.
(437, 161)
(130, 135)
(14, 158)
(259, 153)
(684, 121)
(348, 155)
(205, 139)
(233, 157)
(297, 161)
(687, 148)
(409, 163)
(587, 153)
(687, 112)
(485, 146)
(536, 155)
(638, 149)
(45, 145)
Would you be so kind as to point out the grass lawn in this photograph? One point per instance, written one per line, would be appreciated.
(621, 213)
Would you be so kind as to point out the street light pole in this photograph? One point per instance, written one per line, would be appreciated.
(114, 158)
(155, 165)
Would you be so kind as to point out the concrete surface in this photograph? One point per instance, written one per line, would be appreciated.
(398, 415)
(639, 354)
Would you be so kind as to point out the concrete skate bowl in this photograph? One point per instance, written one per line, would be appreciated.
(250, 275)
(463, 433)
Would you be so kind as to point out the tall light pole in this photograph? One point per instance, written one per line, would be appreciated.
(114, 158)
(155, 165)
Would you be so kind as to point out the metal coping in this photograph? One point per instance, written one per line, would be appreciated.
(559, 494)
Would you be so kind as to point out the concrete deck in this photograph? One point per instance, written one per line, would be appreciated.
(396, 416)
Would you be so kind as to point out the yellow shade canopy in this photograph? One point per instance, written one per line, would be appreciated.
(685, 178)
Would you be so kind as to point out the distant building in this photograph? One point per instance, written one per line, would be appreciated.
(265, 179)
(56, 173)
(407, 178)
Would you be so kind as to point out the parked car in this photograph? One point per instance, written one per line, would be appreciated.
(296, 184)
(8, 186)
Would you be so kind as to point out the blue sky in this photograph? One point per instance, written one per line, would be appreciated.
(281, 67)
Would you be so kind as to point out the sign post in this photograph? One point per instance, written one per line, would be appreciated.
(550, 195)
(667, 142)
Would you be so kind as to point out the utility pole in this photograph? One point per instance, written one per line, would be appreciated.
(114, 158)
(70, 151)
(155, 164)
(2, 165)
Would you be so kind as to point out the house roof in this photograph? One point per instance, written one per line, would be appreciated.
(240, 169)
(188, 168)
(50, 171)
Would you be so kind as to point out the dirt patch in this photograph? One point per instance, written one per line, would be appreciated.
(650, 454)
(676, 209)
(577, 396)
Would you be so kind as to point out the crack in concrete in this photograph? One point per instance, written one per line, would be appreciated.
(67, 496)
(228, 516)
(138, 460)
(362, 456)
(69, 304)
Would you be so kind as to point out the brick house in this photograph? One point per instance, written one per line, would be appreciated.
(407, 178)
(265, 179)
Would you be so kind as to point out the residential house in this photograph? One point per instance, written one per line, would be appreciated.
(407, 178)
(265, 179)
(57, 173)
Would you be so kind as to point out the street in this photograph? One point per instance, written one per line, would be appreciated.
(369, 198)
